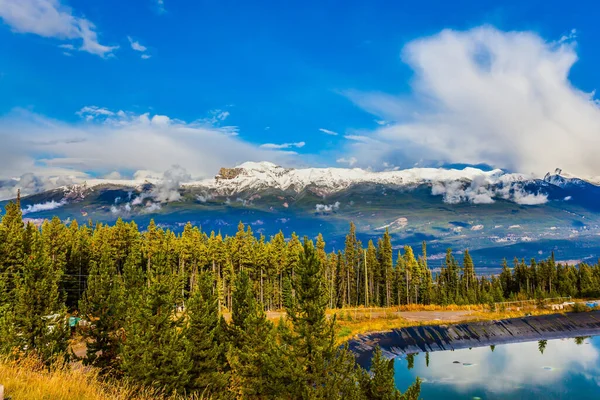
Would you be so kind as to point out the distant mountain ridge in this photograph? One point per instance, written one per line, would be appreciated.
(491, 212)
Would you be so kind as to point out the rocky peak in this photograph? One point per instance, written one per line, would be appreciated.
(229, 173)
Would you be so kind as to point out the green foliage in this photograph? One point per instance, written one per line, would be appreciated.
(155, 301)
(103, 307)
(155, 352)
(39, 314)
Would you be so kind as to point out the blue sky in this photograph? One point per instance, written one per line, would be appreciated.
(277, 73)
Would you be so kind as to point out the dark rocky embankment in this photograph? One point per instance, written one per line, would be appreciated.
(476, 334)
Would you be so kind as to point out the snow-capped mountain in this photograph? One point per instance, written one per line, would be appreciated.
(256, 176)
(493, 211)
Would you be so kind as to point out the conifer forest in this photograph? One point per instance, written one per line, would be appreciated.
(152, 303)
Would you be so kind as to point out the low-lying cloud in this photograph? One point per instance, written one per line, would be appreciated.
(484, 95)
(327, 208)
(167, 189)
(47, 206)
(480, 192)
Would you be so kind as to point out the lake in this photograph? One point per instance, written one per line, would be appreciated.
(567, 369)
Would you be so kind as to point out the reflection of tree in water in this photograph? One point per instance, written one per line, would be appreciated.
(427, 359)
(580, 339)
(542, 345)
(410, 359)
(492, 347)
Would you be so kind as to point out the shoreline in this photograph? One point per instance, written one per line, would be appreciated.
(431, 338)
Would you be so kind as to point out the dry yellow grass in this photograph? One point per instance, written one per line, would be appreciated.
(350, 328)
(28, 379)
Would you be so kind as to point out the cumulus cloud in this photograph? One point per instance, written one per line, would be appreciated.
(327, 208)
(328, 132)
(282, 145)
(484, 95)
(52, 19)
(108, 140)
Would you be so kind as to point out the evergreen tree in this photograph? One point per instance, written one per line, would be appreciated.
(317, 367)
(39, 315)
(253, 354)
(153, 321)
(103, 306)
(203, 333)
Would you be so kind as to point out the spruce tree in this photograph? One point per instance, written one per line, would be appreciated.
(253, 354)
(316, 366)
(103, 306)
(155, 352)
(40, 325)
(204, 338)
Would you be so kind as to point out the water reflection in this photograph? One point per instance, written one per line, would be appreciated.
(548, 369)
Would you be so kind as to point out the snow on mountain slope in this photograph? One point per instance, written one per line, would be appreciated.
(255, 176)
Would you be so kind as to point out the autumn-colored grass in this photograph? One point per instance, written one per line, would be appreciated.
(350, 326)
(29, 379)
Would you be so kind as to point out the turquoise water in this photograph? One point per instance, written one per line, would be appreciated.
(567, 369)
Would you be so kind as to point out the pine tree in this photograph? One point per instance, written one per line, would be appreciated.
(39, 315)
(104, 307)
(11, 243)
(203, 334)
(317, 367)
(153, 321)
(253, 354)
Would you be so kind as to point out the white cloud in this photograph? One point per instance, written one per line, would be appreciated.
(327, 208)
(282, 145)
(485, 95)
(135, 45)
(167, 189)
(328, 132)
(359, 138)
(91, 112)
(350, 161)
(529, 199)
(47, 206)
(114, 175)
(480, 191)
(115, 140)
(52, 19)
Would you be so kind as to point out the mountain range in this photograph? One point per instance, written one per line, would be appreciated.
(494, 213)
